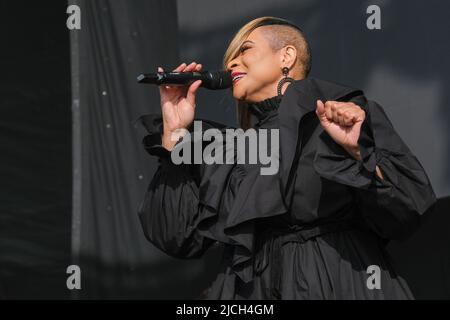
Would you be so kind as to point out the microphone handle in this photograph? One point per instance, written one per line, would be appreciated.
(172, 78)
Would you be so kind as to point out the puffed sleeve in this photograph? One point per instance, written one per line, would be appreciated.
(171, 211)
(394, 206)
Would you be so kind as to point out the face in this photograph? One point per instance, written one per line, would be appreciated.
(256, 70)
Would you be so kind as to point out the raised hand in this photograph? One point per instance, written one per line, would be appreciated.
(342, 121)
(178, 105)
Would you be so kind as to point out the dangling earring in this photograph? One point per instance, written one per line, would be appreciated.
(284, 80)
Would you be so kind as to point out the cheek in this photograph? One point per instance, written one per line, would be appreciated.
(261, 73)
(261, 69)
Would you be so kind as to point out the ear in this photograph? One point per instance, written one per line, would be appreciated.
(288, 56)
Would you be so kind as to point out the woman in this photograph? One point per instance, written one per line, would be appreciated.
(317, 228)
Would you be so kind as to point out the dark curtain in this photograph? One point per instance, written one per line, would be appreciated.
(118, 40)
(35, 156)
(43, 231)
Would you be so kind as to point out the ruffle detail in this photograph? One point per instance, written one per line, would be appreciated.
(297, 106)
(152, 142)
(263, 198)
(263, 108)
(267, 195)
(391, 207)
(226, 202)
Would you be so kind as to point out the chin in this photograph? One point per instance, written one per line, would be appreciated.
(239, 94)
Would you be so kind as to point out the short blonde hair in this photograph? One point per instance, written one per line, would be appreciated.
(281, 33)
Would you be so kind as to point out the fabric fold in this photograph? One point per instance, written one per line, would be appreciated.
(393, 206)
(152, 142)
(333, 162)
(188, 208)
(256, 196)
(299, 102)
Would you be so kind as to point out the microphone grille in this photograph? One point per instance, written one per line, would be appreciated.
(220, 80)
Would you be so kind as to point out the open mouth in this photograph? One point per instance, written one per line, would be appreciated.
(236, 76)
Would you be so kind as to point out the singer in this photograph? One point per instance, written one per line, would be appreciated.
(317, 229)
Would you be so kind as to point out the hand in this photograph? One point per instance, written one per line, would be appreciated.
(342, 121)
(178, 105)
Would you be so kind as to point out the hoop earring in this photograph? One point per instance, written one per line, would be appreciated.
(285, 71)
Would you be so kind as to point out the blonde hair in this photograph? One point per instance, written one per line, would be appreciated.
(281, 33)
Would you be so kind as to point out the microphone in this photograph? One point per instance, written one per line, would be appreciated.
(213, 80)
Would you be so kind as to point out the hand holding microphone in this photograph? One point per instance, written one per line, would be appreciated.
(177, 92)
(178, 105)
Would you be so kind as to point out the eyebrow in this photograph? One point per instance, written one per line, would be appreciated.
(242, 46)
(247, 41)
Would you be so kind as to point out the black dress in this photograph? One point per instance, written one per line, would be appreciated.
(314, 230)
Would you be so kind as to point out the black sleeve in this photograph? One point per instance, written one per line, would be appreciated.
(171, 211)
(394, 206)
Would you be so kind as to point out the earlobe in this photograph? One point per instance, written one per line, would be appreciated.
(290, 56)
(286, 78)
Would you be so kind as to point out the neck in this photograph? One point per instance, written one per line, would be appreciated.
(270, 92)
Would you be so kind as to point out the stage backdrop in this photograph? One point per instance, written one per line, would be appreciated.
(35, 156)
(72, 182)
(119, 40)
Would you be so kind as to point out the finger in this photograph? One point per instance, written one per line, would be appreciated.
(160, 69)
(342, 113)
(193, 91)
(341, 120)
(361, 116)
(334, 114)
(350, 113)
(320, 109)
(328, 110)
(356, 116)
(190, 67)
(347, 119)
(336, 111)
(198, 67)
(180, 67)
(350, 121)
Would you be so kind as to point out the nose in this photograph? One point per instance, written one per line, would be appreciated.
(232, 64)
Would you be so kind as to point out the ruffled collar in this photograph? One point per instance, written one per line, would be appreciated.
(263, 108)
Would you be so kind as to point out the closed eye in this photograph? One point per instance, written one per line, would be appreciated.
(242, 49)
